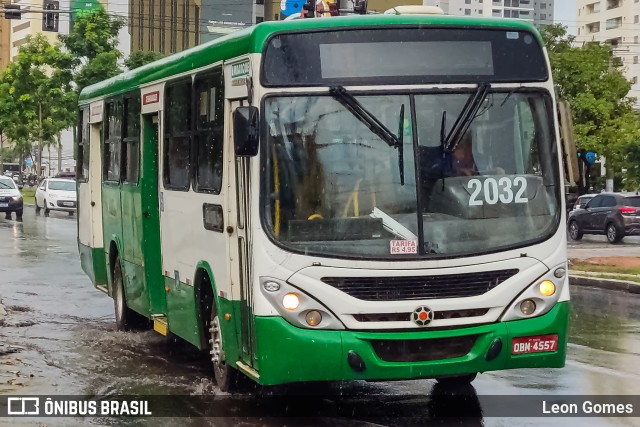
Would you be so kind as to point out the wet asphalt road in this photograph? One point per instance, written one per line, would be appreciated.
(67, 344)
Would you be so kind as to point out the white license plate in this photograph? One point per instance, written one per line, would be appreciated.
(67, 203)
(4, 205)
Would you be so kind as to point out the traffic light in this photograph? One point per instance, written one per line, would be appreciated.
(50, 19)
(12, 15)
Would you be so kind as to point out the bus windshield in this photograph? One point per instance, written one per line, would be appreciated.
(332, 186)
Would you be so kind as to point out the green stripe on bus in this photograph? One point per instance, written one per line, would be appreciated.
(291, 354)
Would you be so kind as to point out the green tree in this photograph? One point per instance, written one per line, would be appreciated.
(92, 43)
(36, 96)
(593, 82)
(139, 58)
(102, 67)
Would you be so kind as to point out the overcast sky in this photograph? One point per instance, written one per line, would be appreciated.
(565, 13)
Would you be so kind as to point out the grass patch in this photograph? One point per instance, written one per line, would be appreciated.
(584, 266)
(29, 195)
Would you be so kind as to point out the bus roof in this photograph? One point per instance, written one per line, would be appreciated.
(252, 40)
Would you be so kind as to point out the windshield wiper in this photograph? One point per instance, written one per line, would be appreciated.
(464, 120)
(362, 114)
(373, 124)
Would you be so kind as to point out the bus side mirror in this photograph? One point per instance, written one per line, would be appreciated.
(246, 131)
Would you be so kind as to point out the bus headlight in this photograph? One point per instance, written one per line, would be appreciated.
(547, 288)
(296, 307)
(290, 301)
(539, 298)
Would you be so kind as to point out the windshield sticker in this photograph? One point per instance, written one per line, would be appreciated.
(400, 247)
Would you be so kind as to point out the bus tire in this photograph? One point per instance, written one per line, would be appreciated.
(226, 376)
(126, 319)
(457, 381)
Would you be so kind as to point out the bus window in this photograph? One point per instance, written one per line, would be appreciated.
(131, 140)
(83, 145)
(209, 91)
(177, 136)
(112, 142)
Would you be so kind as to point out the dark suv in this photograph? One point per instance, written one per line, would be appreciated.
(611, 214)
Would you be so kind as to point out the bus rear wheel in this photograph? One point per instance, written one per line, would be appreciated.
(457, 381)
(225, 375)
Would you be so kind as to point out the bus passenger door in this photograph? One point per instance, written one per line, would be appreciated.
(89, 204)
(240, 251)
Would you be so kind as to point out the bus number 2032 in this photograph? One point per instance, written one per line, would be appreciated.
(504, 190)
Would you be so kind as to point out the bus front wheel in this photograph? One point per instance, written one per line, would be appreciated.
(226, 376)
(457, 381)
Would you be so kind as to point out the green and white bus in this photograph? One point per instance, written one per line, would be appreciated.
(358, 197)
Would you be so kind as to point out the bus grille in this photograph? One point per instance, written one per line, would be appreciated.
(423, 350)
(420, 287)
(406, 317)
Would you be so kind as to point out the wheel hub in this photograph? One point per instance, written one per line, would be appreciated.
(217, 352)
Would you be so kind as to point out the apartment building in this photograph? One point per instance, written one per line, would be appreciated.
(32, 23)
(616, 22)
(5, 42)
(540, 12)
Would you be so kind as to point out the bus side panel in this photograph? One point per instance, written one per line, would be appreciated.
(112, 219)
(132, 241)
(181, 311)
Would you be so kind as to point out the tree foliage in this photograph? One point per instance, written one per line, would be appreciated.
(140, 58)
(36, 98)
(593, 82)
(93, 43)
(92, 34)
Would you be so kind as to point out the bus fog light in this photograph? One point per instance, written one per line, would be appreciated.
(290, 301)
(527, 307)
(271, 286)
(547, 288)
(313, 318)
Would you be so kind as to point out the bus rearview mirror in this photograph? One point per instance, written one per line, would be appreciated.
(245, 131)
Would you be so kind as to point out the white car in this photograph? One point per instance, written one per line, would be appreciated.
(56, 194)
(10, 197)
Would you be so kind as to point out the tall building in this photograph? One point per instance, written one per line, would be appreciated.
(32, 23)
(540, 12)
(165, 26)
(169, 26)
(616, 22)
(221, 17)
(5, 42)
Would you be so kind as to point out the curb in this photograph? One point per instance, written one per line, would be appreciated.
(612, 284)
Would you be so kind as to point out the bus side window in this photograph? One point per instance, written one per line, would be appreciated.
(177, 136)
(83, 146)
(209, 131)
(131, 138)
(112, 142)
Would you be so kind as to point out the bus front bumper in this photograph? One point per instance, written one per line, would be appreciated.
(290, 354)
